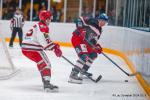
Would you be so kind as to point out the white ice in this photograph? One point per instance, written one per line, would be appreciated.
(27, 84)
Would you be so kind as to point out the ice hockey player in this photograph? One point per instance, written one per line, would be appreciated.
(36, 41)
(85, 41)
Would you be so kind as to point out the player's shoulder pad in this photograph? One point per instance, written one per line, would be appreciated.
(93, 21)
(43, 28)
(79, 22)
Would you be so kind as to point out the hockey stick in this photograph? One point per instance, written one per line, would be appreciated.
(16, 71)
(133, 74)
(94, 80)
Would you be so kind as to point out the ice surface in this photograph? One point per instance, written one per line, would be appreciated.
(27, 84)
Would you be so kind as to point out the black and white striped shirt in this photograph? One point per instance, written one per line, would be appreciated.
(17, 21)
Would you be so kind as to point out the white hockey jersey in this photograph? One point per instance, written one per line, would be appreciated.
(37, 38)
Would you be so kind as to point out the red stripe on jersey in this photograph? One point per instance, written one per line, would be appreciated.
(31, 44)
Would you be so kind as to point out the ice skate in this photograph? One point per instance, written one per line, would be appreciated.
(88, 74)
(85, 74)
(48, 87)
(74, 78)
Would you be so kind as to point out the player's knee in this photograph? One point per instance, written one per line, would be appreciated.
(93, 55)
(41, 65)
(44, 68)
(84, 57)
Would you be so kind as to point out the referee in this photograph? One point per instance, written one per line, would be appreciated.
(16, 25)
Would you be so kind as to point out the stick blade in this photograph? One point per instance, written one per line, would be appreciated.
(133, 74)
(99, 78)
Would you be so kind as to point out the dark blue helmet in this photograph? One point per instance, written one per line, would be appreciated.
(103, 16)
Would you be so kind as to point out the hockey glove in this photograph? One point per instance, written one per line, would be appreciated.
(98, 48)
(57, 50)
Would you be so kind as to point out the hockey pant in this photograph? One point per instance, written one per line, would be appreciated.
(42, 61)
(85, 53)
(85, 61)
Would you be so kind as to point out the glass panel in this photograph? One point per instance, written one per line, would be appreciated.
(120, 12)
(100, 7)
(37, 6)
(57, 9)
(25, 8)
(87, 8)
(9, 7)
(137, 14)
(72, 10)
(147, 14)
(111, 11)
(1, 9)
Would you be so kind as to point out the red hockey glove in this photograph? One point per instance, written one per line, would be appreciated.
(98, 48)
(57, 50)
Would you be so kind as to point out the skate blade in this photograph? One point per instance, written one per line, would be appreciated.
(50, 90)
(84, 76)
(74, 81)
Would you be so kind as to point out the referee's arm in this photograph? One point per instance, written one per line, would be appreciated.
(11, 23)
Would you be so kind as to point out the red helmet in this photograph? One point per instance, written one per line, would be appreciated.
(44, 15)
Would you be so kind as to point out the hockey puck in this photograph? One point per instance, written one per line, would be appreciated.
(125, 80)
